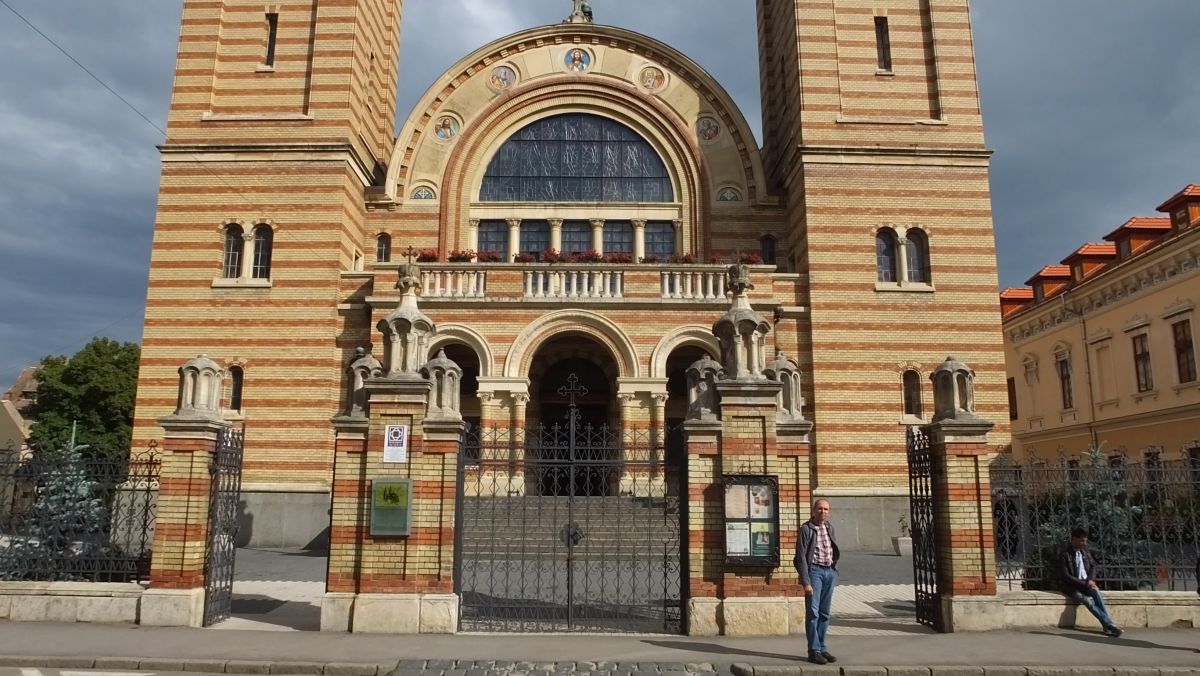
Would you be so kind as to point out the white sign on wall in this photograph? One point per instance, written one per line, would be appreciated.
(395, 443)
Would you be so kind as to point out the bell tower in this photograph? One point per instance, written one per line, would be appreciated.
(253, 73)
(874, 138)
(282, 118)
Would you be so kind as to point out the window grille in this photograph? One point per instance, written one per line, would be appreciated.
(618, 237)
(917, 256)
(383, 249)
(576, 237)
(660, 240)
(885, 255)
(493, 236)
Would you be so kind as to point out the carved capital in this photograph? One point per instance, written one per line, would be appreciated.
(660, 399)
(555, 222)
(474, 222)
(485, 397)
(596, 222)
(639, 223)
(513, 222)
(520, 399)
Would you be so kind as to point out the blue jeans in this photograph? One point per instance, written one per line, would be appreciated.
(1092, 600)
(816, 606)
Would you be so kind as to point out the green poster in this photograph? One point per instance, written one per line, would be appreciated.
(391, 506)
(761, 539)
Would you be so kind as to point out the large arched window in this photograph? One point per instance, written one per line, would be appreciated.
(886, 245)
(917, 256)
(232, 267)
(262, 252)
(576, 158)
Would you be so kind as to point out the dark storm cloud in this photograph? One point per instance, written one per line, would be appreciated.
(1087, 104)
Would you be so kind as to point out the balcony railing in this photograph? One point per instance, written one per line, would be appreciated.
(574, 281)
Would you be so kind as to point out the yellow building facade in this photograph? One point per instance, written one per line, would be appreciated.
(1100, 349)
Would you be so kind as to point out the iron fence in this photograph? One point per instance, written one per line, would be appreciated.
(77, 515)
(1142, 515)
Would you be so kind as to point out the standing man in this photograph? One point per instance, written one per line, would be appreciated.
(816, 560)
(1078, 570)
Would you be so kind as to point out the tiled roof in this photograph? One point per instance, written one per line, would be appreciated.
(1192, 190)
(1051, 272)
(1017, 293)
(1141, 223)
(1092, 250)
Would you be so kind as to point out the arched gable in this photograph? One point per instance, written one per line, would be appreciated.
(648, 72)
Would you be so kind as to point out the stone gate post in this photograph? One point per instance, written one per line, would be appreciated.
(389, 582)
(190, 435)
(962, 503)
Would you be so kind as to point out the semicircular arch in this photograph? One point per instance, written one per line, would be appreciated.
(457, 333)
(684, 336)
(596, 326)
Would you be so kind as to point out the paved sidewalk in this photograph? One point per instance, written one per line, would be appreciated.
(216, 651)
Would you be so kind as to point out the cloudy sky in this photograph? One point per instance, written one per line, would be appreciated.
(1090, 106)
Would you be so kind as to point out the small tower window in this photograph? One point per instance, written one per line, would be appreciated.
(262, 252)
(767, 247)
(231, 269)
(912, 394)
(883, 44)
(916, 251)
(886, 268)
(272, 30)
(383, 248)
(236, 376)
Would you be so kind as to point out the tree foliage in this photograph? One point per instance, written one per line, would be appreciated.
(94, 389)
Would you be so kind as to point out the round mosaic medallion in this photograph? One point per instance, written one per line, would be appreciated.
(577, 60)
(652, 78)
(502, 77)
(446, 127)
(708, 129)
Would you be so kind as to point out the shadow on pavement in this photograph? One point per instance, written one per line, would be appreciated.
(903, 627)
(716, 648)
(1100, 639)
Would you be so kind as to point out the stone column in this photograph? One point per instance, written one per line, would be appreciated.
(556, 234)
(901, 259)
(247, 261)
(639, 239)
(678, 226)
(514, 237)
(597, 234)
(190, 438)
(473, 234)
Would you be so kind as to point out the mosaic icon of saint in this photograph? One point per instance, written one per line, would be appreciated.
(707, 128)
(652, 78)
(446, 128)
(578, 60)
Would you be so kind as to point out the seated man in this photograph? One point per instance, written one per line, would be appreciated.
(1078, 571)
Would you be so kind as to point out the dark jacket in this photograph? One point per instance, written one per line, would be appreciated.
(1068, 572)
(806, 547)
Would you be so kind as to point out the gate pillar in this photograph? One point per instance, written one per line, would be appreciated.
(190, 436)
(962, 503)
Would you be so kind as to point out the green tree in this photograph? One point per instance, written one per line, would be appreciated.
(63, 534)
(94, 389)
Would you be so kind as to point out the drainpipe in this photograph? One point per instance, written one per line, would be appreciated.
(1087, 367)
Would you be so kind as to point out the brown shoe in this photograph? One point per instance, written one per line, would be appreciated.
(816, 657)
(828, 658)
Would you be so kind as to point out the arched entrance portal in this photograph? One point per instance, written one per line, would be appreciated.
(569, 523)
(573, 419)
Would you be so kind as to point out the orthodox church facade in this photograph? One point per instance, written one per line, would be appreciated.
(563, 206)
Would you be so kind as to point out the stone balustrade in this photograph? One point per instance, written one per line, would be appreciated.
(461, 282)
(704, 284)
(588, 281)
(676, 283)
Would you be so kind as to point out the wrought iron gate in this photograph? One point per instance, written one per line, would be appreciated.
(225, 489)
(924, 533)
(569, 527)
